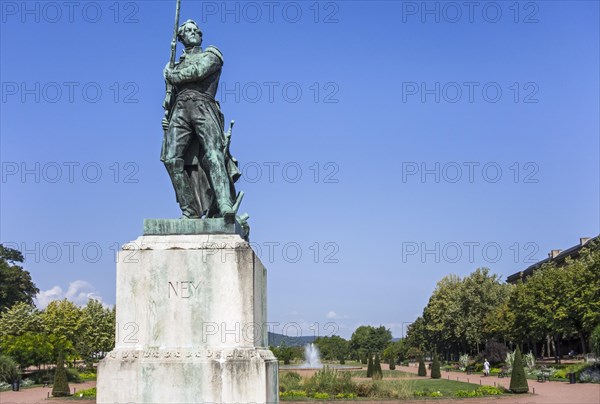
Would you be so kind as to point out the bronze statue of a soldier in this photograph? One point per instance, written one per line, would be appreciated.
(195, 148)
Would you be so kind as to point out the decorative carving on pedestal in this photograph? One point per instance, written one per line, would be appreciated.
(188, 354)
(198, 314)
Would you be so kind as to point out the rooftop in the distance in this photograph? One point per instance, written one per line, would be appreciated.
(557, 256)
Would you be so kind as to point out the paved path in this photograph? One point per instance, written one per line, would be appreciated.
(39, 394)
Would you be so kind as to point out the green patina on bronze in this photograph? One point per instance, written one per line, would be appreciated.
(163, 227)
(195, 149)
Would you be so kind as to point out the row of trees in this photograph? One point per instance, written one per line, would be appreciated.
(35, 337)
(464, 315)
(366, 342)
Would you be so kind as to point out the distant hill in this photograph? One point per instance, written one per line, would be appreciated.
(278, 339)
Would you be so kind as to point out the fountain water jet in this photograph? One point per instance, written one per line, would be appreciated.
(311, 357)
(312, 362)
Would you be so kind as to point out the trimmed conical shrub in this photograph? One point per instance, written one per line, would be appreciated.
(61, 384)
(422, 370)
(435, 367)
(9, 370)
(518, 380)
(370, 366)
(377, 372)
(392, 361)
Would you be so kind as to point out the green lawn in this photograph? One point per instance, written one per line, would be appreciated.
(386, 373)
(351, 363)
(446, 387)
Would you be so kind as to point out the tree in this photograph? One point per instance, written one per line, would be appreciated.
(9, 370)
(16, 285)
(422, 371)
(392, 362)
(480, 293)
(527, 324)
(377, 372)
(581, 295)
(595, 339)
(494, 351)
(97, 331)
(287, 353)
(555, 301)
(518, 380)
(18, 319)
(415, 337)
(539, 308)
(359, 341)
(29, 349)
(435, 367)
(367, 339)
(395, 352)
(60, 387)
(414, 354)
(21, 335)
(62, 319)
(370, 366)
(499, 323)
(442, 314)
(455, 316)
(333, 348)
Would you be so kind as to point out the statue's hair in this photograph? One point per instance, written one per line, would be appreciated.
(180, 29)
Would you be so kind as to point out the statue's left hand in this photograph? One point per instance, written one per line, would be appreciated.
(169, 74)
(165, 124)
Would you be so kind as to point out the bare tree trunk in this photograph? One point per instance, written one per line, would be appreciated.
(557, 355)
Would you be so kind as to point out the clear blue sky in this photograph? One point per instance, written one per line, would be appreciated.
(430, 141)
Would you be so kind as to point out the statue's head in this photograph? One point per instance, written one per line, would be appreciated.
(189, 34)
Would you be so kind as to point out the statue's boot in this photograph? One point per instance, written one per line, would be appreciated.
(183, 188)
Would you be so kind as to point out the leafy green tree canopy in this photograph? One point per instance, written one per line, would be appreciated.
(367, 339)
(333, 348)
(16, 284)
(19, 319)
(96, 331)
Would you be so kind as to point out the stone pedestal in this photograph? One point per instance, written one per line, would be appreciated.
(191, 324)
